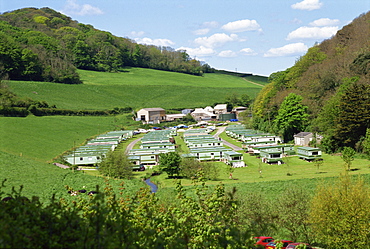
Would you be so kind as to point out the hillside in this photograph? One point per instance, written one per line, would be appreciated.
(333, 78)
(45, 45)
(169, 90)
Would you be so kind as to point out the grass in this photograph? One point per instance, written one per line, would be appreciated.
(44, 138)
(167, 90)
(44, 180)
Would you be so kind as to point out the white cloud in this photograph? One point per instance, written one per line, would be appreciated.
(227, 54)
(241, 26)
(137, 33)
(307, 5)
(212, 24)
(200, 51)
(312, 33)
(247, 51)
(287, 50)
(201, 31)
(72, 7)
(216, 40)
(156, 42)
(324, 22)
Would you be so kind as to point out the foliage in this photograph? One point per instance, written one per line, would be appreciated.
(348, 154)
(189, 167)
(193, 169)
(109, 219)
(234, 100)
(292, 117)
(366, 143)
(116, 165)
(42, 44)
(170, 163)
(292, 213)
(340, 214)
(354, 116)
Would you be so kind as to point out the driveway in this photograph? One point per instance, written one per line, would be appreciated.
(131, 145)
(218, 132)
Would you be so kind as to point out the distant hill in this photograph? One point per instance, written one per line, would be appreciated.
(135, 88)
(333, 78)
(45, 45)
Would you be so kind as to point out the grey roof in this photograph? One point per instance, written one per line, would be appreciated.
(302, 134)
(153, 109)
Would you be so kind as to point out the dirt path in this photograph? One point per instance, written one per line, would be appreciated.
(253, 82)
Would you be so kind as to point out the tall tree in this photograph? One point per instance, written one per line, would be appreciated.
(354, 116)
(170, 163)
(116, 165)
(292, 117)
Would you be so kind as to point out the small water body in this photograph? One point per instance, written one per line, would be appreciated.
(153, 187)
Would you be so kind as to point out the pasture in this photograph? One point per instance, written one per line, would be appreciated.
(44, 138)
(43, 180)
(137, 88)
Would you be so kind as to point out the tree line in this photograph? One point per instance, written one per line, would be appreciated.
(45, 45)
(327, 91)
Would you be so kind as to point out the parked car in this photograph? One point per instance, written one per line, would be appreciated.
(294, 245)
(272, 244)
(263, 240)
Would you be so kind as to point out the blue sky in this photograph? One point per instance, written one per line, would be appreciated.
(250, 36)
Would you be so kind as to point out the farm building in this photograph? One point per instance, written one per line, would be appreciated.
(200, 114)
(220, 109)
(309, 153)
(172, 117)
(151, 115)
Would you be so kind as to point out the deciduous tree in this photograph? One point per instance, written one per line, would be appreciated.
(340, 214)
(170, 163)
(116, 165)
(292, 117)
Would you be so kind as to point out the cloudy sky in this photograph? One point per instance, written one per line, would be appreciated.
(254, 36)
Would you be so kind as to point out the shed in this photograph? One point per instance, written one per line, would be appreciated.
(303, 138)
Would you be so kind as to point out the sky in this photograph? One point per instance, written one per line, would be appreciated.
(248, 36)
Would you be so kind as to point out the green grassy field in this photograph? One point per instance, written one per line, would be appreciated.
(44, 138)
(44, 180)
(137, 88)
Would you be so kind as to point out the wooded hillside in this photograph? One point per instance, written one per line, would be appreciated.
(333, 78)
(45, 45)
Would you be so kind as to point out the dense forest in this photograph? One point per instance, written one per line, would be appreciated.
(327, 91)
(45, 45)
